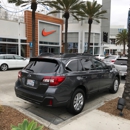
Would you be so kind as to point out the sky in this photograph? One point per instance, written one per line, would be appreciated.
(119, 10)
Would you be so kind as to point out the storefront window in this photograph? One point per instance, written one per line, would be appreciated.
(8, 40)
(49, 49)
(8, 49)
(85, 47)
(112, 41)
(23, 41)
(73, 47)
(23, 50)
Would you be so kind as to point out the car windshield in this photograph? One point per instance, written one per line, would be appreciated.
(121, 62)
(42, 66)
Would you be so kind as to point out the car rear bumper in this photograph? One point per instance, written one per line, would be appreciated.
(122, 73)
(39, 99)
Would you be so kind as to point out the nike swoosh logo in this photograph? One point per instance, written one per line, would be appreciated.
(44, 33)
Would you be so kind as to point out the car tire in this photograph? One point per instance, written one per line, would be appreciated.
(77, 102)
(4, 67)
(115, 86)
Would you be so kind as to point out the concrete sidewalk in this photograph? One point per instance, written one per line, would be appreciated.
(92, 120)
(97, 120)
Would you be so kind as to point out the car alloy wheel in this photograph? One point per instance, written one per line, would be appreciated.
(114, 88)
(116, 85)
(78, 101)
(4, 67)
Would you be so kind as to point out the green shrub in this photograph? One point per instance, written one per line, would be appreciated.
(25, 125)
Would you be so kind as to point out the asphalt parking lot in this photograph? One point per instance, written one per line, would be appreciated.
(52, 115)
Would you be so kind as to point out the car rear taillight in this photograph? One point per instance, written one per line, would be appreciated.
(53, 80)
(19, 74)
(112, 60)
(50, 102)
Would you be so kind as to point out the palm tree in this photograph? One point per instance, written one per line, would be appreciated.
(122, 38)
(33, 7)
(67, 7)
(93, 13)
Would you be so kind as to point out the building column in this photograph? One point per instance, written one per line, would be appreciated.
(19, 45)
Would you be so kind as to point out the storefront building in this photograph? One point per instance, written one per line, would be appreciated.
(48, 33)
(16, 36)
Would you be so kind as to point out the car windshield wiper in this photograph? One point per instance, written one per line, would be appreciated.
(29, 69)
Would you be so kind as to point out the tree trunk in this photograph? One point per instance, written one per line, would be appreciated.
(124, 48)
(126, 93)
(33, 33)
(33, 7)
(89, 35)
(66, 30)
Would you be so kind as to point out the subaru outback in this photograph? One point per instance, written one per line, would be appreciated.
(65, 80)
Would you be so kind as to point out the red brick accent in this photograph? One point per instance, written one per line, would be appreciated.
(28, 24)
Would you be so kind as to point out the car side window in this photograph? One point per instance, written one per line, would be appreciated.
(1, 57)
(72, 65)
(87, 64)
(80, 67)
(9, 57)
(18, 57)
(98, 64)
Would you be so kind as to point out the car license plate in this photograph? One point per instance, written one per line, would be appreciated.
(30, 82)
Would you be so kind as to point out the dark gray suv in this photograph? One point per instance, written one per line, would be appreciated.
(65, 80)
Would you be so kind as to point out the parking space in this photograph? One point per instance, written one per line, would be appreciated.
(52, 115)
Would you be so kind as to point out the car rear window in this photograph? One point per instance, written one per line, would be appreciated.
(42, 66)
(121, 62)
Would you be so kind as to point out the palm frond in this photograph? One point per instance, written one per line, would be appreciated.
(53, 12)
(93, 11)
(17, 2)
(122, 37)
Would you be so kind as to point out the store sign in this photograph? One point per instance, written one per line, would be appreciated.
(30, 44)
(45, 33)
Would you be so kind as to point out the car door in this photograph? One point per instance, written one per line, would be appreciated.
(90, 76)
(10, 61)
(105, 74)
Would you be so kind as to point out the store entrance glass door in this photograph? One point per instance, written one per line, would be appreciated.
(48, 49)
